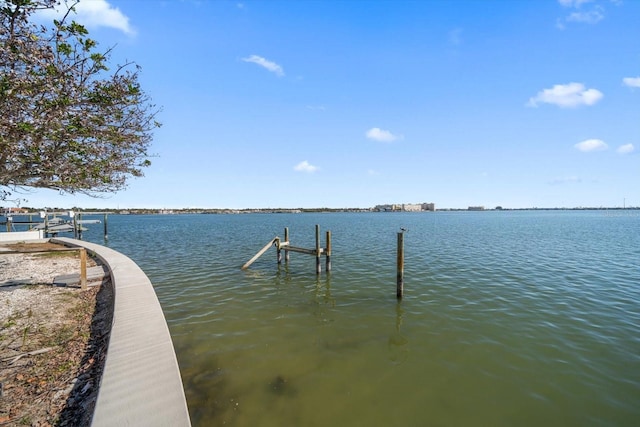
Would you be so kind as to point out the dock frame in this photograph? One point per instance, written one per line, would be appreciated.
(285, 245)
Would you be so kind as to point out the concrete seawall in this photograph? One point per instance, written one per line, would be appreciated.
(141, 383)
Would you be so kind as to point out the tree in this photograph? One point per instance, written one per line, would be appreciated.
(66, 121)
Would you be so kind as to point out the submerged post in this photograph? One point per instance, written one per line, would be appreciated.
(400, 266)
(106, 234)
(328, 253)
(318, 267)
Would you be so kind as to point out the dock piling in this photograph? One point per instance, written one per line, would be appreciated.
(328, 252)
(400, 266)
(286, 239)
(318, 266)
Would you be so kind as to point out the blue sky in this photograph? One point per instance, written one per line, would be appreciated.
(356, 103)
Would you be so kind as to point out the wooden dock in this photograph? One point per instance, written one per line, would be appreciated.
(285, 245)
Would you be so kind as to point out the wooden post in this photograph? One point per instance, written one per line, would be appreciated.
(286, 239)
(106, 234)
(400, 266)
(80, 225)
(83, 269)
(75, 226)
(318, 266)
(278, 252)
(328, 253)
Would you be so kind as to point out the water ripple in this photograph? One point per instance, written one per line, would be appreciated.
(509, 318)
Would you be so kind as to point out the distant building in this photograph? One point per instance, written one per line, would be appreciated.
(405, 207)
(11, 210)
(408, 207)
(475, 208)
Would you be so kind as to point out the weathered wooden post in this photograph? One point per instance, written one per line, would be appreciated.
(328, 249)
(318, 266)
(83, 269)
(106, 234)
(400, 266)
(75, 224)
(279, 252)
(46, 224)
(286, 239)
(79, 226)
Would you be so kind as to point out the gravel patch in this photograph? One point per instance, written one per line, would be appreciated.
(53, 339)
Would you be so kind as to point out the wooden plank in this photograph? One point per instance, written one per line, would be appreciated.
(304, 250)
(3, 252)
(260, 252)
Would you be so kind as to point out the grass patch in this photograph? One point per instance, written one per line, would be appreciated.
(58, 254)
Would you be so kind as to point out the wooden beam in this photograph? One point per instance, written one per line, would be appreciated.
(304, 250)
(260, 252)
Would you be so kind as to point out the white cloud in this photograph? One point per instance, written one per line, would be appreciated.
(566, 96)
(631, 81)
(573, 3)
(591, 145)
(565, 180)
(382, 135)
(592, 16)
(93, 14)
(265, 63)
(305, 166)
(592, 13)
(626, 149)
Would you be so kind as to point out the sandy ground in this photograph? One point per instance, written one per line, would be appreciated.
(53, 339)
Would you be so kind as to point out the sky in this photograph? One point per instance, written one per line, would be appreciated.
(302, 104)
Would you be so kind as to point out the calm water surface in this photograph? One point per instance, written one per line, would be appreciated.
(509, 318)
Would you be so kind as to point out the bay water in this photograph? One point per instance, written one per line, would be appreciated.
(509, 318)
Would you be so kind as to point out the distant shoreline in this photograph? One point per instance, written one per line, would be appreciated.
(148, 211)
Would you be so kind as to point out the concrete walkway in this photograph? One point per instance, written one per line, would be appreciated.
(141, 383)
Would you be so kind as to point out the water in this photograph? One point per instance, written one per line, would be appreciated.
(509, 318)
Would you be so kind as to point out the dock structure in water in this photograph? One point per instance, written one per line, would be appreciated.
(52, 223)
(285, 245)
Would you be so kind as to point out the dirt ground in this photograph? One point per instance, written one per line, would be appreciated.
(53, 339)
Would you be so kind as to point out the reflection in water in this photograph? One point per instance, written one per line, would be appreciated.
(323, 291)
(398, 344)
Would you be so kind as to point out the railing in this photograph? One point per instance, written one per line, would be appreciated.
(83, 260)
